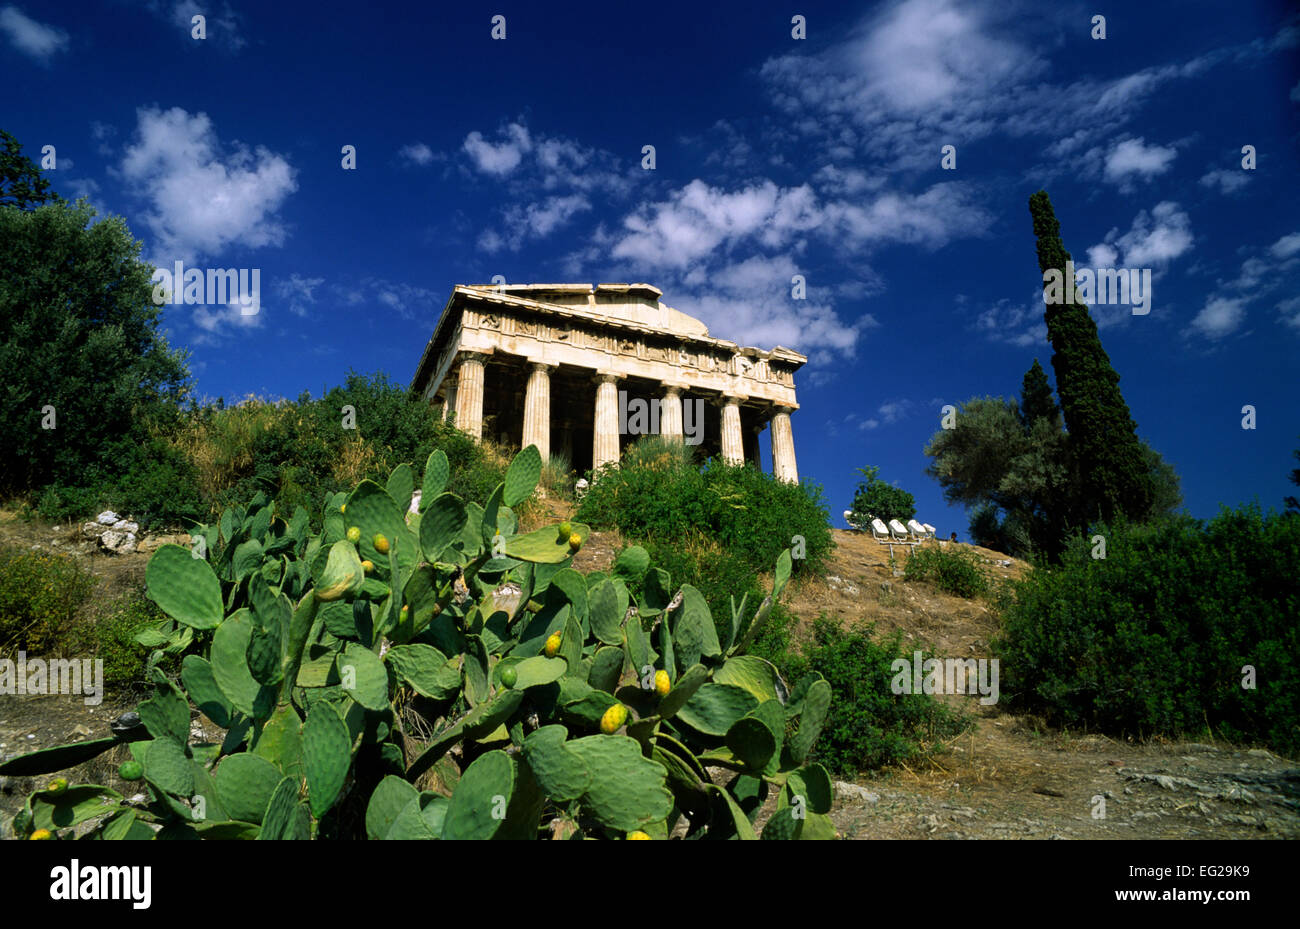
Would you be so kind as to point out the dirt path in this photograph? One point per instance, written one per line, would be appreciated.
(1006, 778)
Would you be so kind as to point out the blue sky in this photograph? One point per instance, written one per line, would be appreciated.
(775, 156)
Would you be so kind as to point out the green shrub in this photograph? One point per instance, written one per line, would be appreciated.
(113, 635)
(1153, 638)
(40, 596)
(62, 503)
(870, 725)
(659, 493)
(952, 570)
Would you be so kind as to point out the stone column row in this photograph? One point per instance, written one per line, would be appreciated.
(466, 397)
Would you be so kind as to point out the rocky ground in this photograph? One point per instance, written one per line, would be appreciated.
(1008, 777)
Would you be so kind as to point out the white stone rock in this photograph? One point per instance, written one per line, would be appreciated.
(92, 530)
(118, 543)
(107, 518)
(125, 525)
(415, 501)
(845, 791)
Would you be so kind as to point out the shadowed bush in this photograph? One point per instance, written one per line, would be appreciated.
(1156, 636)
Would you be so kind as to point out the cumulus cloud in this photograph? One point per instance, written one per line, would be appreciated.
(533, 221)
(417, 153)
(1260, 277)
(1226, 181)
(1219, 317)
(34, 39)
(499, 158)
(204, 195)
(567, 173)
(1132, 157)
(1155, 239)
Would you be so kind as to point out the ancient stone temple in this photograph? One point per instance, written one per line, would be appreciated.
(585, 370)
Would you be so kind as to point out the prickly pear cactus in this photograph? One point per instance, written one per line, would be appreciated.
(436, 674)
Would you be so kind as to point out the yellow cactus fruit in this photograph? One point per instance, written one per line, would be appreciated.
(343, 508)
(354, 535)
(380, 543)
(552, 645)
(614, 717)
(40, 834)
(368, 566)
(662, 683)
(57, 786)
(637, 835)
(575, 541)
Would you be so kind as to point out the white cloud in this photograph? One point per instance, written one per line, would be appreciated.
(417, 153)
(1154, 239)
(1018, 324)
(1226, 181)
(534, 221)
(34, 39)
(1219, 317)
(218, 322)
(1286, 246)
(698, 219)
(501, 158)
(221, 26)
(1131, 157)
(1260, 276)
(203, 195)
(299, 291)
(523, 163)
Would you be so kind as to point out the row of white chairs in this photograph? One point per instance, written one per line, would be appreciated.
(895, 533)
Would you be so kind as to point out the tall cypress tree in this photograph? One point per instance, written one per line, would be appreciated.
(1115, 477)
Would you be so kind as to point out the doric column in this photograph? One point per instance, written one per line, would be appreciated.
(469, 394)
(783, 465)
(449, 405)
(605, 446)
(733, 442)
(537, 409)
(670, 413)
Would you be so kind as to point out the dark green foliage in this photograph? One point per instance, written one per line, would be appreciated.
(1292, 503)
(79, 333)
(875, 499)
(954, 570)
(21, 183)
(1114, 475)
(41, 594)
(1036, 400)
(659, 494)
(1019, 474)
(113, 634)
(331, 733)
(871, 726)
(1153, 638)
(720, 575)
